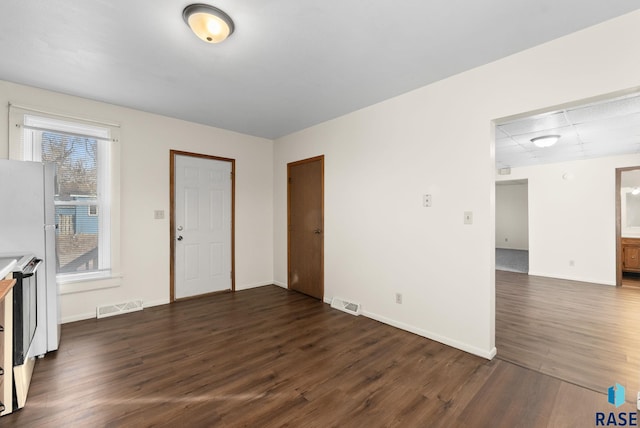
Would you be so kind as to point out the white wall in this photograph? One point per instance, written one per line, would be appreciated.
(439, 140)
(512, 216)
(144, 164)
(573, 220)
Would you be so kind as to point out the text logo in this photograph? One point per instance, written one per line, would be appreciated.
(616, 395)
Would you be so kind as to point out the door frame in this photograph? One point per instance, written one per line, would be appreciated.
(289, 165)
(172, 218)
(619, 172)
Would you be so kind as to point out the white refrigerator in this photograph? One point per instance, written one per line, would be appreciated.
(27, 225)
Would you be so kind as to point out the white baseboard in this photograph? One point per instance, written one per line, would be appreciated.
(280, 284)
(153, 303)
(573, 278)
(488, 354)
(90, 315)
(492, 354)
(78, 317)
(255, 285)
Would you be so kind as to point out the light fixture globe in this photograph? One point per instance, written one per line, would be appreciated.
(209, 23)
(545, 140)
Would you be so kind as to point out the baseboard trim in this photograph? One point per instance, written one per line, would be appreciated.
(492, 353)
(254, 285)
(280, 284)
(487, 354)
(90, 315)
(573, 278)
(78, 317)
(155, 303)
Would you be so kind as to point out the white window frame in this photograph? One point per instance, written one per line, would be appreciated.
(21, 148)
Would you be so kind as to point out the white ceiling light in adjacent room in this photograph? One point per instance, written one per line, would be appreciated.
(545, 140)
(635, 191)
(209, 23)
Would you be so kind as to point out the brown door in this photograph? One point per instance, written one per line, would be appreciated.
(306, 226)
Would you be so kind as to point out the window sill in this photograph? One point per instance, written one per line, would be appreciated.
(81, 286)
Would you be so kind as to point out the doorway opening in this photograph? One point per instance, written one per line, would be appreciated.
(542, 318)
(512, 226)
(628, 227)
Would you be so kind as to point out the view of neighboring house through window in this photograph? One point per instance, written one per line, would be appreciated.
(81, 155)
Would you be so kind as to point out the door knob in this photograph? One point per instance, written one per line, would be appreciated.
(179, 228)
(180, 238)
(317, 231)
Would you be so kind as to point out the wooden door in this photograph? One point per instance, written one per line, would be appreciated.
(202, 225)
(306, 226)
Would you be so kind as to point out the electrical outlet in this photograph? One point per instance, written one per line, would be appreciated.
(426, 200)
(572, 263)
(399, 298)
(158, 214)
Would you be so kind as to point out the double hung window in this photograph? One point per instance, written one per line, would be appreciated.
(82, 153)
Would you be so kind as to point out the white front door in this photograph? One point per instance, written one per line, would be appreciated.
(203, 226)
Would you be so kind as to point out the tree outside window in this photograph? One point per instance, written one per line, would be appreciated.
(76, 200)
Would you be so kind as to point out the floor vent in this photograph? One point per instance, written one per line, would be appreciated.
(120, 308)
(346, 306)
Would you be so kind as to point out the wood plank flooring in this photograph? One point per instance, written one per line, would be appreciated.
(268, 357)
(583, 333)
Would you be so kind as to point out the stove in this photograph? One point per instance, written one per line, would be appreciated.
(25, 305)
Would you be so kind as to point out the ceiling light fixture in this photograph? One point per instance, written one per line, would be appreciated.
(545, 140)
(635, 191)
(209, 23)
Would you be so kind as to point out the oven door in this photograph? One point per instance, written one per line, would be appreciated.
(25, 310)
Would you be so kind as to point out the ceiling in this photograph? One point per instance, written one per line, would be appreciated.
(605, 128)
(290, 64)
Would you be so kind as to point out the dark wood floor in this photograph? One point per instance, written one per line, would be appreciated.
(583, 333)
(269, 357)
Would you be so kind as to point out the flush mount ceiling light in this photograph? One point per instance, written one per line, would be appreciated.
(545, 140)
(207, 22)
(635, 191)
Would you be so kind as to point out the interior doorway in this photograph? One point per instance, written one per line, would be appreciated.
(202, 224)
(553, 321)
(512, 226)
(628, 227)
(305, 218)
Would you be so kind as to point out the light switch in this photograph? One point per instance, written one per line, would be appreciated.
(158, 214)
(468, 217)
